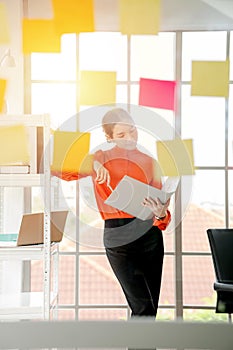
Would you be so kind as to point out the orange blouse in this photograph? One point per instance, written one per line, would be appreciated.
(120, 162)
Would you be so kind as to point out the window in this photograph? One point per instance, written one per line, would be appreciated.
(89, 290)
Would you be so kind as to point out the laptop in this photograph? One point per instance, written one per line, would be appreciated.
(32, 230)
(129, 194)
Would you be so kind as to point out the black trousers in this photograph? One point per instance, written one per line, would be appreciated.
(138, 268)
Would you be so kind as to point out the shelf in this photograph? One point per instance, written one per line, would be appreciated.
(25, 180)
(21, 180)
(14, 169)
(31, 305)
(22, 305)
(27, 120)
(35, 252)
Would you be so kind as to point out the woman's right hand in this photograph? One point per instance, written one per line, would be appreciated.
(102, 174)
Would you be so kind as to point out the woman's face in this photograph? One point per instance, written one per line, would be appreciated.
(125, 135)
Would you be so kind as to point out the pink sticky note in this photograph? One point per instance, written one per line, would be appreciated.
(157, 93)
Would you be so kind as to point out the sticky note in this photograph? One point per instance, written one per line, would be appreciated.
(86, 166)
(15, 143)
(157, 93)
(73, 16)
(97, 88)
(175, 157)
(4, 25)
(40, 36)
(139, 17)
(210, 78)
(3, 83)
(70, 150)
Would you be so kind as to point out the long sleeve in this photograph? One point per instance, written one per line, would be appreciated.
(163, 223)
(86, 169)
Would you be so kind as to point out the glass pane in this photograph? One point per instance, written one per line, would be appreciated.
(109, 51)
(67, 244)
(230, 128)
(37, 199)
(97, 283)
(103, 314)
(230, 194)
(58, 100)
(205, 210)
(36, 276)
(201, 46)
(167, 295)
(167, 115)
(153, 56)
(66, 279)
(195, 315)
(165, 315)
(168, 234)
(66, 314)
(198, 279)
(231, 55)
(121, 94)
(203, 120)
(56, 66)
(90, 222)
(12, 208)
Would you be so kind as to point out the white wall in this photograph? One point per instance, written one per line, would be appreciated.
(15, 101)
(14, 93)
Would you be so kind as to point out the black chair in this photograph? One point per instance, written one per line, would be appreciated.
(221, 245)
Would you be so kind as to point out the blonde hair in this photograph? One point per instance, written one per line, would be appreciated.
(111, 118)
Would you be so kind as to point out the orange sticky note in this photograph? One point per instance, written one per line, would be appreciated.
(15, 143)
(70, 150)
(210, 78)
(4, 26)
(139, 17)
(97, 88)
(2, 93)
(175, 157)
(40, 36)
(73, 16)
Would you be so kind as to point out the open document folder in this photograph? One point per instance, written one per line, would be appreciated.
(129, 194)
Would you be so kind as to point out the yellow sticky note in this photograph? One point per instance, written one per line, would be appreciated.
(210, 78)
(73, 16)
(97, 88)
(70, 151)
(40, 36)
(86, 166)
(139, 17)
(15, 143)
(2, 93)
(4, 26)
(175, 157)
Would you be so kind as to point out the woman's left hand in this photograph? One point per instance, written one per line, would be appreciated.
(156, 206)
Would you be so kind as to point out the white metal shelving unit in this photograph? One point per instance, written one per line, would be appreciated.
(27, 305)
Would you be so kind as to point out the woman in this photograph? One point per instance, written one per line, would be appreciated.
(134, 247)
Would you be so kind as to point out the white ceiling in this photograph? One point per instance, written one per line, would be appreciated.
(175, 14)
